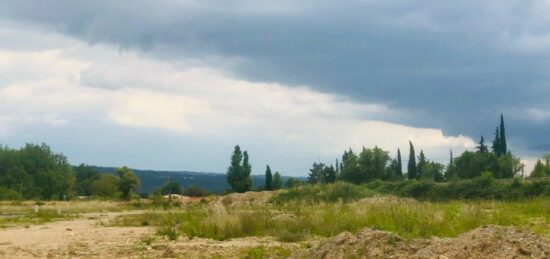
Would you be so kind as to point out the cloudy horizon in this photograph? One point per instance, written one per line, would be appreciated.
(175, 85)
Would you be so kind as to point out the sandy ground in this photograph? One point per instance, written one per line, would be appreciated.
(86, 237)
(81, 237)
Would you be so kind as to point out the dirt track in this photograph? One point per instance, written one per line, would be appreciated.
(73, 238)
(85, 237)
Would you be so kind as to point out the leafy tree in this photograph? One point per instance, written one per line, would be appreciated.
(128, 182)
(106, 185)
(546, 158)
(316, 173)
(411, 166)
(329, 174)
(51, 174)
(481, 147)
(238, 175)
(171, 187)
(277, 181)
(372, 164)
(421, 166)
(433, 171)
(85, 176)
(292, 182)
(539, 170)
(350, 168)
(268, 179)
(450, 172)
(473, 164)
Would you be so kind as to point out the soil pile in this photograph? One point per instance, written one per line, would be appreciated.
(485, 242)
(248, 198)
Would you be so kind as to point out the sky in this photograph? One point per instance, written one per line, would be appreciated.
(175, 85)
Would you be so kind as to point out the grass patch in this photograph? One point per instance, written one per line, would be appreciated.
(295, 220)
(315, 193)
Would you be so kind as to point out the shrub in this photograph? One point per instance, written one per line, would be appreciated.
(195, 191)
(324, 193)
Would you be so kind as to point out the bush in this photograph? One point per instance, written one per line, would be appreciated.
(481, 187)
(195, 191)
(9, 194)
(325, 193)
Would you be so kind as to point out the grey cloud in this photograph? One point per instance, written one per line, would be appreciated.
(459, 63)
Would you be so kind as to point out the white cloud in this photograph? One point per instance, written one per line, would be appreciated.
(76, 84)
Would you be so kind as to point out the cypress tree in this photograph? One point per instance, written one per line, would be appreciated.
(482, 148)
(411, 166)
(247, 170)
(268, 179)
(421, 166)
(399, 165)
(496, 143)
(503, 146)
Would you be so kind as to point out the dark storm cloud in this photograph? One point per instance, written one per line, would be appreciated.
(460, 64)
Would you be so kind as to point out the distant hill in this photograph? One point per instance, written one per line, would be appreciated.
(213, 182)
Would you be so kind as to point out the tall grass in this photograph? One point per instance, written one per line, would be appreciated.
(294, 220)
(339, 191)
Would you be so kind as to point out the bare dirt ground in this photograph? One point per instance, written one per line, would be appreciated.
(485, 242)
(81, 237)
(87, 237)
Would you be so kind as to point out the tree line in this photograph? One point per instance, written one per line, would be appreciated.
(372, 164)
(36, 172)
(375, 164)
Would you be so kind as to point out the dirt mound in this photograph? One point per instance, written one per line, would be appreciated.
(493, 241)
(184, 199)
(486, 242)
(248, 198)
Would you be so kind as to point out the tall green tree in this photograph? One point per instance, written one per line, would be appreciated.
(238, 175)
(499, 143)
(539, 170)
(399, 164)
(268, 179)
(85, 176)
(171, 187)
(421, 165)
(329, 174)
(106, 186)
(481, 147)
(503, 145)
(277, 181)
(316, 173)
(450, 172)
(411, 166)
(350, 168)
(496, 147)
(128, 182)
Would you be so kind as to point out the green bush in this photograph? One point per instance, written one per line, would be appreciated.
(315, 193)
(9, 194)
(481, 187)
